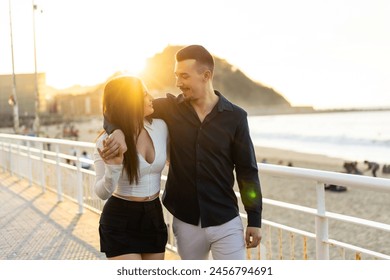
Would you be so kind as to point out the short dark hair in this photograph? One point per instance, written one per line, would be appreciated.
(197, 52)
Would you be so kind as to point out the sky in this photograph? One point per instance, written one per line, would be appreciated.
(325, 54)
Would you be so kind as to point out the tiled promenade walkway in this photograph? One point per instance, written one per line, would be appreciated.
(34, 226)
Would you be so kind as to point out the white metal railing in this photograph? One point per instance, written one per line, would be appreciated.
(321, 215)
(56, 164)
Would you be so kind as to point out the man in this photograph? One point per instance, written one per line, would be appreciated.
(209, 138)
(373, 166)
(85, 164)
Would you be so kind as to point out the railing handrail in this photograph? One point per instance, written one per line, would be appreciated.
(321, 176)
(48, 140)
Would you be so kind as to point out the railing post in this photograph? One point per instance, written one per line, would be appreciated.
(80, 191)
(10, 160)
(29, 164)
(322, 246)
(59, 178)
(18, 172)
(43, 184)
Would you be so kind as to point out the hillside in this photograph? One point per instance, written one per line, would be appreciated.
(230, 81)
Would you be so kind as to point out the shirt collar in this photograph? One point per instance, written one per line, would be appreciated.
(223, 104)
(148, 125)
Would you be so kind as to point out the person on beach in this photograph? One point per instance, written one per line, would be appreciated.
(386, 169)
(131, 225)
(84, 164)
(209, 139)
(373, 166)
(351, 168)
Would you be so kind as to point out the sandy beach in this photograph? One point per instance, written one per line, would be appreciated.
(354, 202)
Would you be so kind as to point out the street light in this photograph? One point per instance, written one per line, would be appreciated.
(13, 101)
(36, 124)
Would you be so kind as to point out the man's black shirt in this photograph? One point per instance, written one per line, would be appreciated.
(203, 156)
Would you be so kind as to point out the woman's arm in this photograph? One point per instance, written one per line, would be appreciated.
(107, 173)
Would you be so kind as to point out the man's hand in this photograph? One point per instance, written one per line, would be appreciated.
(116, 160)
(113, 145)
(252, 237)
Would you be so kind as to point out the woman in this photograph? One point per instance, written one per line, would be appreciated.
(132, 224)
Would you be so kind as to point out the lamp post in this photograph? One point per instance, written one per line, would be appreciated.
(13, 101)
(36, 125)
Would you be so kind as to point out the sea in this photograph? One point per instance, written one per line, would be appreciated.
(353, 136)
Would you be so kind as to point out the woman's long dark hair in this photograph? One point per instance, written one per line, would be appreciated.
(123, 106)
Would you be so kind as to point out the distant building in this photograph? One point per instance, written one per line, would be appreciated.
(81, 104)
(25, 93)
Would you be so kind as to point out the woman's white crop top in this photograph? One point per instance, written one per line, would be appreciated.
(110, 178)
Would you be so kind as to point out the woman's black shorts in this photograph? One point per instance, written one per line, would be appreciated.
(128, 227)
